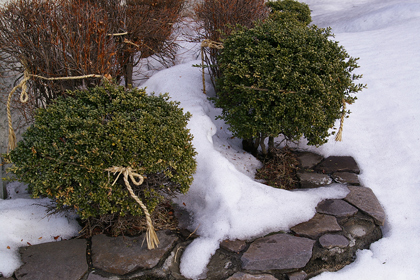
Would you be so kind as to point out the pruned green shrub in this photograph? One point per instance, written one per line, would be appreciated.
(64, 154)
(284, 78)
(287, 10)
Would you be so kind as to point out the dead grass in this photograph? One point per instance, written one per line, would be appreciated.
(279, 170)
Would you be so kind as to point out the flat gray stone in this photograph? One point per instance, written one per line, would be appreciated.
(122, 255)
(318, 225)
(234, 246)
(336, 207)
(346, 178)
(309, 160)
(246, 276)
(221, 265)
(329, 241)
(338, 164)
(300, 275)
(54, 260)
(93, 276)
(313, 180)
(278, 251)
(364, 199)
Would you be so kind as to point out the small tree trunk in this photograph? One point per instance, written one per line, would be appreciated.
(270, 144)
(257, 143)
(249, 146)
(262, 145)
(128, 72)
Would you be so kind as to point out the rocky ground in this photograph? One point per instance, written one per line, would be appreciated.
(327, 242)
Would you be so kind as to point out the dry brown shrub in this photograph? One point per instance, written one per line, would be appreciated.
(217, 18)
(55, 39)
(148, 25)
(68, 38)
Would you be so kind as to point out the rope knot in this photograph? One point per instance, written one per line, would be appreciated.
(127, 173)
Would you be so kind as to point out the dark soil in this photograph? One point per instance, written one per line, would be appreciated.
(280, 168)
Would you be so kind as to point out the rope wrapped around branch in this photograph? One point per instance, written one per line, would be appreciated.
(151, 237)
(208, 44)
(24, 97)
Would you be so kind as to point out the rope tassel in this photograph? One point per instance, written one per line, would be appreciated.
(339, 135)
(151, 237)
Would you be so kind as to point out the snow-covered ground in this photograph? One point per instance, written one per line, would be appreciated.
(381, 134)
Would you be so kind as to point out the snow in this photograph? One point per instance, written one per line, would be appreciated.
(226, 203)
(24, 222)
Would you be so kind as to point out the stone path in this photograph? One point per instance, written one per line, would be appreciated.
(327, 242)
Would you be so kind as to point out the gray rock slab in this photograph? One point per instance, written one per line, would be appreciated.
(278, 251)
(329, 241)
(246, 276)
(309, 160)
(346, 178)
(235, 246)
(338, 164)
(122, 255)
(336, 207)
(8, 278)
(64, 260)
(318, 225)
(222, 264)
(300, 275)
(313, 180)
(93, 276)
(364, 199)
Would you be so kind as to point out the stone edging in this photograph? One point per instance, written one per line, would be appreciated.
(327, 242)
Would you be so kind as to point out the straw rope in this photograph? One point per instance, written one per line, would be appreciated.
(117, 34)
(208, 44)
(151, 237)
(339, 135)
(71, 77)
(136, 45)
(24, 98)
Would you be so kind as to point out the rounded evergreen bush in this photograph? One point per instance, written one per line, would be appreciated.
(65, 153)
(281, 77)
(287, 10)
